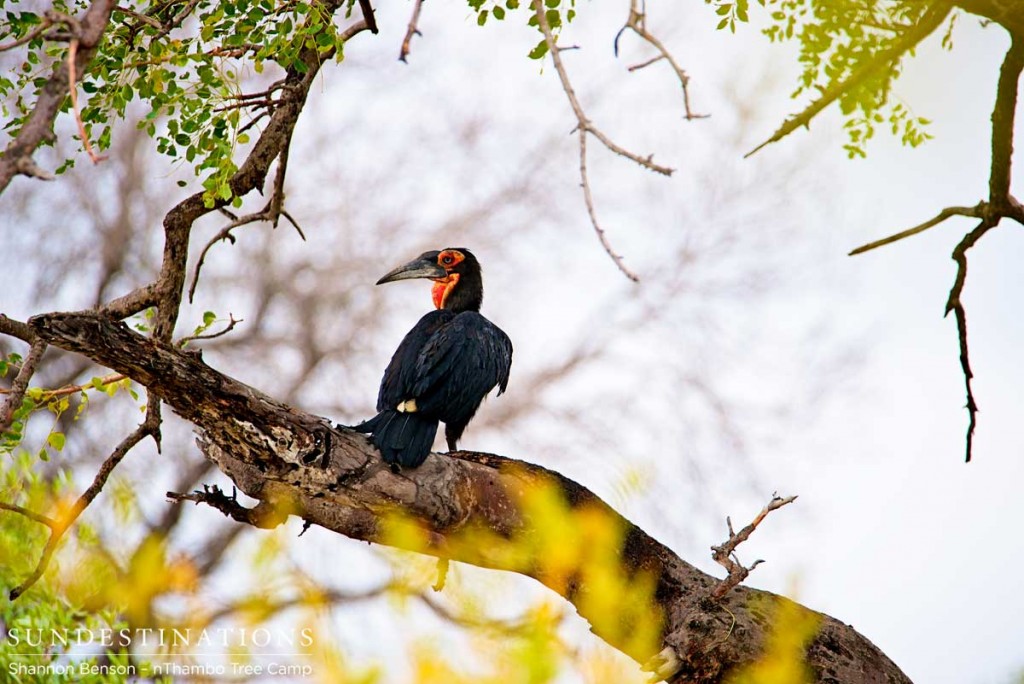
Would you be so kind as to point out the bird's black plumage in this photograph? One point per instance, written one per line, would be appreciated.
(445, 365)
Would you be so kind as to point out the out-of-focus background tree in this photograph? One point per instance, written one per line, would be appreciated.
(752, 356)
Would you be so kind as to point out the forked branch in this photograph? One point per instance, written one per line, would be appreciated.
(725, 554)
(60, 525)
(637, 23)
(1000, 204)
(584, 127)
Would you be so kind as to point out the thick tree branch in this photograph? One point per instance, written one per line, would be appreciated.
(17, 158)
(1007, 13)
(1002, 126)
(297, 463)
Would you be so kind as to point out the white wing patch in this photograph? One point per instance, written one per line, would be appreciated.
(407, 406)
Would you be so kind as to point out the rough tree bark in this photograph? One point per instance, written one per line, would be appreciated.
(296, 463)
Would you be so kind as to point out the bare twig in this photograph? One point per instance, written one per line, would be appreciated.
(637, 23)
(225, 234)
(725, 554)
(31, 515)
(20, 384)
(584, 124)
(44, 25)
(268, 608)
(73, 90)
(646, 63)
(59, 527)
(588, 199)
(73, 389)
(1003, 114)
(930, 21)
(956, 306)
(977, 211)
(139, 17)
(136, 301)
(412, 30)
(232, 322)
(276, 204)
(583, 128)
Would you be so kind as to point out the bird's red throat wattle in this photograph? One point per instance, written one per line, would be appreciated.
(442, 288)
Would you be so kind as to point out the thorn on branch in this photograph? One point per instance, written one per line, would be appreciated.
(725, 554)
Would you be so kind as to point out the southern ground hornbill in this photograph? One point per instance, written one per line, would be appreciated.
(445, 365)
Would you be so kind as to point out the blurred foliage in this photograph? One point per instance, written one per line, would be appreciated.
(29, 649)
(569, 548)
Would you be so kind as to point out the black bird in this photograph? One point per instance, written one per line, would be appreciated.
(445, 365)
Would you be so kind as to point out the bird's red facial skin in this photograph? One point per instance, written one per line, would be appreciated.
(442, 288)
(450, 258)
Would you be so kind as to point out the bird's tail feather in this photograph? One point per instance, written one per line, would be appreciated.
(403, 438)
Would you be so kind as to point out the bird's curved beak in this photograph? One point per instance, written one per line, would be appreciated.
(418, 268)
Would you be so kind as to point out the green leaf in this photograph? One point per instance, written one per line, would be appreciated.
(56, 440)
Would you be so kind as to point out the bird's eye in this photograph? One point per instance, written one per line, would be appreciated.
(447, 260)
